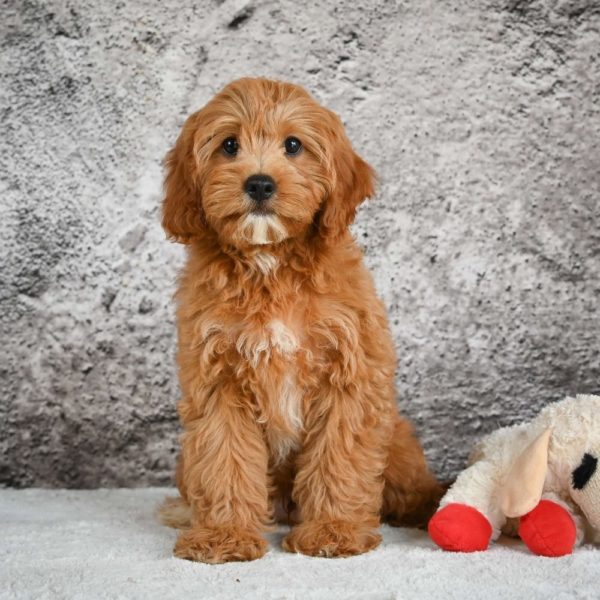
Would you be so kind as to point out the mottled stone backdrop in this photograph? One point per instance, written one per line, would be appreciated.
(482, 118)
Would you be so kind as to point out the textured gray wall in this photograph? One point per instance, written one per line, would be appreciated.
(481, 117)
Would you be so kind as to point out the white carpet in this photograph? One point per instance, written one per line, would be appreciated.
(107, 544)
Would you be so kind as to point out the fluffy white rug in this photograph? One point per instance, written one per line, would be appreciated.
(107, 544)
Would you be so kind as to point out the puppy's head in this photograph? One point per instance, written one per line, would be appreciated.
(260, 163)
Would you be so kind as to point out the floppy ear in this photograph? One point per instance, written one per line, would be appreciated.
(525, 482)
(353, 181)
(182, 215)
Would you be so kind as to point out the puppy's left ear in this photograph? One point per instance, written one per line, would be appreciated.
(353, 181)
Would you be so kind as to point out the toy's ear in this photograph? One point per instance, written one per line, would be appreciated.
(525, 482)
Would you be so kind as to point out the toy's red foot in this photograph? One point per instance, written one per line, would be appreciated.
(548, 530)
(460, 528)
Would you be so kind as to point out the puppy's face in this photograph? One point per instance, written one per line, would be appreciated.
(260, 163)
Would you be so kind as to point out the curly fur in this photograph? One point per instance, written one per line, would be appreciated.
(285, 358)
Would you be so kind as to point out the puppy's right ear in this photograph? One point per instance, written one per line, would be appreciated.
(182, 215)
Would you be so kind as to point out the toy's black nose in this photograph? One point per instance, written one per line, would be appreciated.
(260, 187)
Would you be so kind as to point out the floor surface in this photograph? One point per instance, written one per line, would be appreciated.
(107, 544)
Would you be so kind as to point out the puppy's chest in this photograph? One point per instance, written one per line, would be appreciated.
(260, 345)
(269, 361)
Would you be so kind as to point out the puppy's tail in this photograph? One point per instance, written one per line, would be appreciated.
(175, 512)
(412, 493)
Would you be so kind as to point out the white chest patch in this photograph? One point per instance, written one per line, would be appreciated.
(259, 345)
(290, 397)
(282, 338)
(290, 406)
(265, 262)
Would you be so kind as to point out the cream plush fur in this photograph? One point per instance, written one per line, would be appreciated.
(513, 468)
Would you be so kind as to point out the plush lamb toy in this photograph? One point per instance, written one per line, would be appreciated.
(542, 472)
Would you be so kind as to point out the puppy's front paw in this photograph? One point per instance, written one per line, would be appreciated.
(332, 539)
(219, 545)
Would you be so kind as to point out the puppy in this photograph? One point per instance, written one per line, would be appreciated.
(285, 357)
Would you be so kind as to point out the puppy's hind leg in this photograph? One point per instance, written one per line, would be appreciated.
(175, 512)
(411, 494)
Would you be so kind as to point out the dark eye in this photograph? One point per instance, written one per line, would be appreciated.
(230, 146)
(292, 145)
(582, 474)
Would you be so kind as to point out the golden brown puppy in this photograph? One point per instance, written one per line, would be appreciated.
(285, 357)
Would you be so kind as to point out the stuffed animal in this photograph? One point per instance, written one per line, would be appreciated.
(539, 478)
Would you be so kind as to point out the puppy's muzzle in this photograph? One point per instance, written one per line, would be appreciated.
(260, 187)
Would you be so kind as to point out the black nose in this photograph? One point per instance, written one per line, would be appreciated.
(260, 187)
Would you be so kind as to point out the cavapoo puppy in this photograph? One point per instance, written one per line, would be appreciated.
(285, 358)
